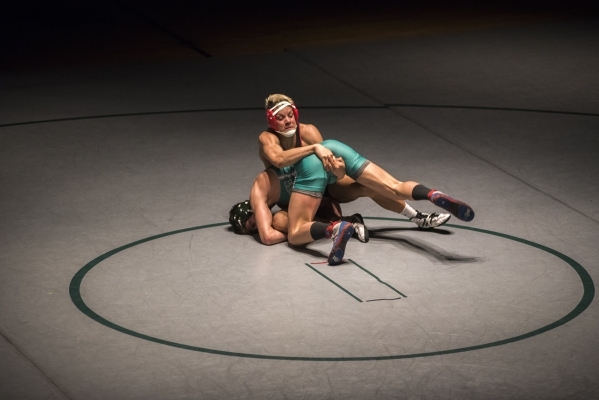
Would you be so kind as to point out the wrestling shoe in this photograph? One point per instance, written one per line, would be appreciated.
(458, 208)
(360, 229)
(342, 232)
(425, 220)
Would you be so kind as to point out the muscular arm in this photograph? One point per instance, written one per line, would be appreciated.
(272, 151)
(264, 220)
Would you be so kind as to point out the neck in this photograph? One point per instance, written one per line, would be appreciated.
(287, 142)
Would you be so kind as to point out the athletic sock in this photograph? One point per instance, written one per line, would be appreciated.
(409, 212)
(318, 230)
(421, 192)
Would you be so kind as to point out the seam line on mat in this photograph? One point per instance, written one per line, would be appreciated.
(36, 367)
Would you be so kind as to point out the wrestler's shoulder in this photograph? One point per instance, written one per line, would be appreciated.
(308, 127)
(310, 133)
(261, 178)
(267, 136)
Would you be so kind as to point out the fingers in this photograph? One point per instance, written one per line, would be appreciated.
(327, 157)
(338, 167)
(338, 163)
(328, 163)
(334, 164)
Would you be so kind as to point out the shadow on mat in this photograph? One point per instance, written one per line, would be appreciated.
(311, 252)
(378, 234)
(427, 250)
(436, 231)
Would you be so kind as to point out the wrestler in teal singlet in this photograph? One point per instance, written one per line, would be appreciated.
(312, 179)
(286, 177)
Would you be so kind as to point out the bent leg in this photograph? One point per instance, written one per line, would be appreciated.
(396, 206)
(347, 190)
(308, 189)
(370, 175)
(379, 180)
(307, 193)
(354, 162)
(302, 209)
(384, 184)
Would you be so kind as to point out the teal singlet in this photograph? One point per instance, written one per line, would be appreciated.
(311, 177)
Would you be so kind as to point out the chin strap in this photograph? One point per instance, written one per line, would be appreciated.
(288, 133)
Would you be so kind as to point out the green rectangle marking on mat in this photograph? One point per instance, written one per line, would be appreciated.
(333, 282)
(359, 282)
(376, 277)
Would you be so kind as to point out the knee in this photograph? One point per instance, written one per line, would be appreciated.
(400, 190)
(294, 238)
(269, 239)
(405, 188)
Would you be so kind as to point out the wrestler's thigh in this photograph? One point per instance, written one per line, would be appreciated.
(382, 182)
(302, 209)
(347, 190)
(354, 162)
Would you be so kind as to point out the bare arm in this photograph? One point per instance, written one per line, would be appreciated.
(311, 135)
(271, 149)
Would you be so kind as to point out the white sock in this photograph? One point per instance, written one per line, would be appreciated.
(409, 212)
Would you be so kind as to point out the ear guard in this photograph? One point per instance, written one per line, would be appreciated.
(271, 114)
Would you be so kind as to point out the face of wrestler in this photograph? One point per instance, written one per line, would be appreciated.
(286, 120)
(250, 224)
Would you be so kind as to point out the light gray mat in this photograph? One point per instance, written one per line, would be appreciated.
(75, 190)
(20, 379)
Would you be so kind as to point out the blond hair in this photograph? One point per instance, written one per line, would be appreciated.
(275, 99)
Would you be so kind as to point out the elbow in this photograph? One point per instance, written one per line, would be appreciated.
(279, 162)
(269, 239)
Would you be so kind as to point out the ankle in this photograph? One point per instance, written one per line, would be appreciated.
(328, 233)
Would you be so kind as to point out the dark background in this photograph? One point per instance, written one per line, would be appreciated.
(47, 34)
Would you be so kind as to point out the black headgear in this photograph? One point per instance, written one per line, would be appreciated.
(239, 215)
